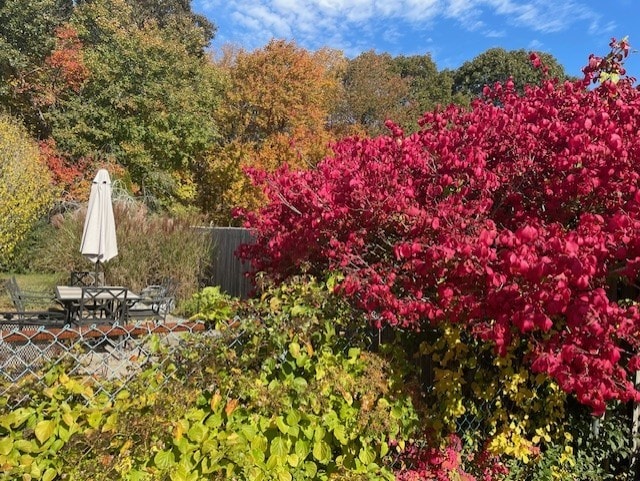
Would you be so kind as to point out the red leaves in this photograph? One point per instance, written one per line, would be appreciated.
(512, 218)
(607, 70)
(429, 463)
(67, 58)
(535, 60)
(527, 233)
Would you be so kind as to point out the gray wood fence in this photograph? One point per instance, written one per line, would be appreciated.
(228, 270)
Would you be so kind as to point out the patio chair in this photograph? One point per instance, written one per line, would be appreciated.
(166, 288)
(155, 304)
(102, 305)
(86, 278)
(29, 307)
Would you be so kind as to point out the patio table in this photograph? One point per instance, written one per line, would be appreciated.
(73, 298)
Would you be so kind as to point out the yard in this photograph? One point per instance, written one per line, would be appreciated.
(454, 303)
(35, 282)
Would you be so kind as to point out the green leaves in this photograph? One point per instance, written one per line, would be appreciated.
(321, 451)
(197, 433)
(147, 102)
(6, 445)
(366, 455)
(210, 304)
(164, 460)
(279, 447)
(44, 430)
(16, 418)
(497, 65)
(49, 475)
(182, 473)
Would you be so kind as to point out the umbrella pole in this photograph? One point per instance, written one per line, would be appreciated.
(97, 279)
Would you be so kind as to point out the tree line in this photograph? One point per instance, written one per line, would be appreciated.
(131, 85)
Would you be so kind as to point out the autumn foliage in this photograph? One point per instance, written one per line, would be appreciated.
(273, 112)
(65, 62)
(72, 179)
(26, 191)
(517, 219)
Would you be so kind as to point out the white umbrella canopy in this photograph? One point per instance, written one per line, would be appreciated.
(99, 243)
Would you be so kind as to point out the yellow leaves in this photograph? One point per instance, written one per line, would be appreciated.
(541, 435)
(519, 413)
(567, 456)
(274, 112)
(517, 387)
(110, 424)
(513, 442)
(457, 409)
(76, 387)
(186, 188)
(516, 380)
(215, 401)
(44, 430)
(25, 185)
(448, 387)
(277, 88)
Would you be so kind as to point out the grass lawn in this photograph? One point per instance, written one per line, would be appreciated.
(30, 282)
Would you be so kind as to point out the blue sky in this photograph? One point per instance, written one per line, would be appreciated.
(452, 31)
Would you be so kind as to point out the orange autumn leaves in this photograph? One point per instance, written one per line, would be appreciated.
(274, 112)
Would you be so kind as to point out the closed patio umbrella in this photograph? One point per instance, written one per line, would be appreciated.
(99, 242)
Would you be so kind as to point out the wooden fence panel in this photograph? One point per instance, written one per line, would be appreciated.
(228, 270)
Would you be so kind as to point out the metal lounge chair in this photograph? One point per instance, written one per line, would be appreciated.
(157, 301)
(29, 309)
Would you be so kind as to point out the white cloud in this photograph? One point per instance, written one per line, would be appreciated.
(492, 33)
(461, 8)
(535, 44)
(596, 28)
(259, 16)
(543, 15)
(314, 23)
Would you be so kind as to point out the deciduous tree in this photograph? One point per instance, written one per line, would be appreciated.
(428, 87)
(497, 65)
(373, 91)
(275, 112)
(27, 38)
(147, 104)
(190, 29)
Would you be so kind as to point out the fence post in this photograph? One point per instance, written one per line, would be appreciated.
(635, 430)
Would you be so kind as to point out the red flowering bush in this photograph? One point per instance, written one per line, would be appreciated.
(515, 219)
(446, 463)
(433, 463)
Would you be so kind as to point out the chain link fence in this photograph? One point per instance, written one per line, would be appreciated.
(96, 354)
(108, 357)
(101, 354)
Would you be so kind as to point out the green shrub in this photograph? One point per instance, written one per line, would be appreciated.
(211, 305)
(276, 396)
(584, 455)
(151, 248)
(22, 259)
